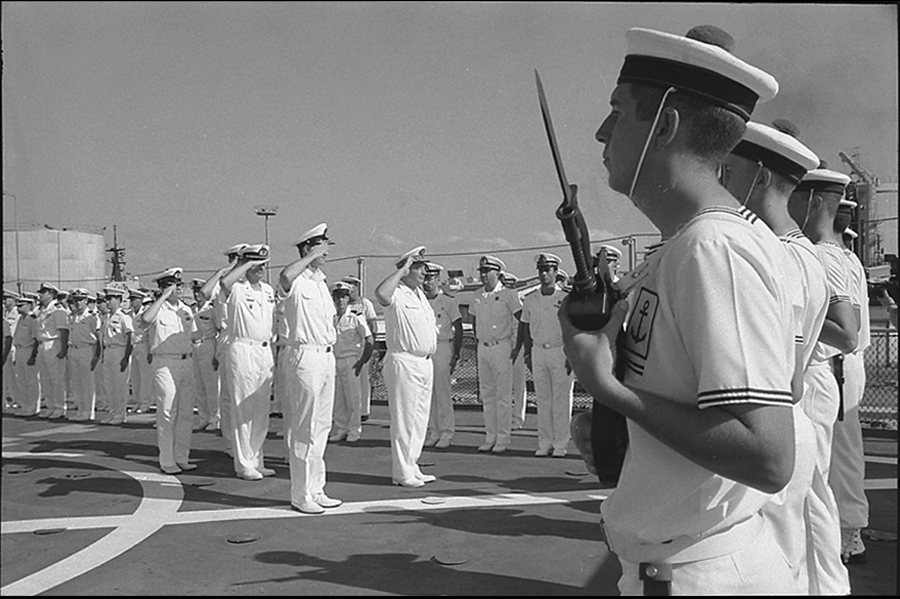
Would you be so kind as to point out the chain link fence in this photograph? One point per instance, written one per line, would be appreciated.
(878, 409)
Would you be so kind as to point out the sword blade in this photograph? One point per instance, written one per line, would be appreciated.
(554, 149)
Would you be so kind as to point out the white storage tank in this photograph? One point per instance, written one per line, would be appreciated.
(64, 257)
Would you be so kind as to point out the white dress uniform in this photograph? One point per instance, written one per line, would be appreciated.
(50, 319)
(352, 331)
(848, 465)
(114, 338)
(442, 422)
(710, 326)
(308, 368)
(251, 324)
(84, 336)
(411, 339)
(11, 317)
(519, 392)
(140, 368)
(223, 342)
(552, 384)
(365, 308)
(102, 390)
(206, 377)
(172, 370)
(496, 327)
(26, 384)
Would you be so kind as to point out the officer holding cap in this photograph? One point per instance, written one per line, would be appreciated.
(699, 356)
(442, 423)
(761, 172)
(352, 351)
(26, 386)
(364, 307)
(49, 352)
(411, 339)
(115, 336)
(542, 338)
(250, 311)
(308, 369)
(171, 328)
(83, 355)
(495, 311)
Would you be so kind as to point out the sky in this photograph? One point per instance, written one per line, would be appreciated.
(397, 124)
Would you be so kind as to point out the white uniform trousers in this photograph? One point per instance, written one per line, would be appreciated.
(206, 381)
(553, 389)
(347, 406)
(787, 510)
(26, 384)
(365, 391)
(495, 388)
(442, 422)
(9, 374)
(116, 380)
(519, 392)
(100, 387)
(827, 574)
(225, 388)
(140, 376)
(53, 375)
(83, 391)
(408, 380)
(173, 393)
(847, 476)
(756, 567)
(252, 368)
(309, 403)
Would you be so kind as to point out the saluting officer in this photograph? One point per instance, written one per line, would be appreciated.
(308, 369)
(542, 338)
(448, 319)
(495, 311)
(250, 319)
(171, 327)
(49, 351)
(83, 355)
(26, 384)
(115, 337)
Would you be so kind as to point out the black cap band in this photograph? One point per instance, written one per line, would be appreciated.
(773, 160)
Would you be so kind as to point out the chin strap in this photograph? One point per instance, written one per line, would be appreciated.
(759, 169)
(637, 170)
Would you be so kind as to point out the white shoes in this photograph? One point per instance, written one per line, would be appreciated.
(430, 442)
(486, 447)
(327, 502)
(559, 452)
(542, 452)
(185, 467)
(426, 478)
(499, 449)
(309, 507)
(251, 475)
(442, 444)
(266, 471)
(410, 484)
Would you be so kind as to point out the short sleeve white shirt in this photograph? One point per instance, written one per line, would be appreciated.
(539, 312)
(309, 311)
(250, 312)
(495, 312)
(352, 331)
(859, 298)
(838, 277)
(446, 312)
(409, 324)
(170, 333)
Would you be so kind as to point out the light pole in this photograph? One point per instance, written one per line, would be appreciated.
(16, 220)
(266, 212)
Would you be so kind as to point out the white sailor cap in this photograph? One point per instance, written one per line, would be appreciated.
(319, 232)
(114, 292)
(777, 148)
(699, 63)
(433, 268)
(417, 253)
(255, 252)
(547, 259)
(352, 280)
(490, 263)
(508, 278)
(235, 249)
(167, 277)
(27, 296)
(851, 233)
(562, 276)
(340, 288)
(9, 293)
(45, 286)
(612, 253)
(822, 179)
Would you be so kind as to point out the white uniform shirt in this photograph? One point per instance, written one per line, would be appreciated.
(859, 298)
(84, 329)
(309, 311)
(710, 325)
(494, 313)
(539, 312)
(50, 319)
(446, 312)
(352, 331)
(364, 307)
(250, 312)
(170, 333)
(206, 320)
(115, 329)
(12, 318)
(810, 297)
(409, 325)
(837, 273)
(26, 331)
